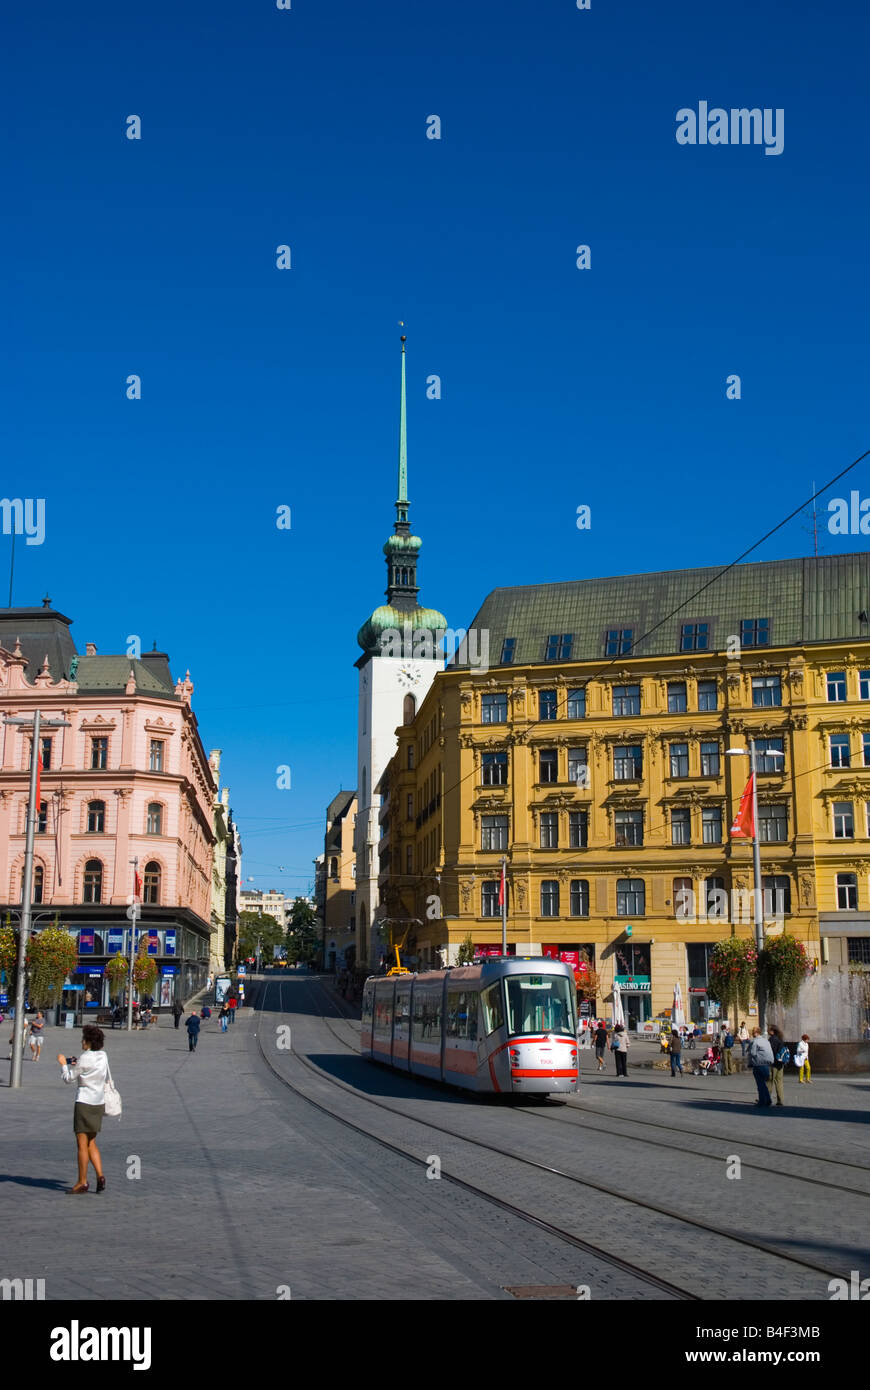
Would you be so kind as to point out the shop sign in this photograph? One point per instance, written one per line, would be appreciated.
(4, 1000)
(170, 943)
(115, 941)
(169, 969)
(92, 970)
(86, 942)
(153, 944)
(634, 982)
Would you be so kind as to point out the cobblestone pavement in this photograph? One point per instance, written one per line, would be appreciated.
(246, 1191)
(678, 1158)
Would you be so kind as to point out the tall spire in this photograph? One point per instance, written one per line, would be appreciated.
(402, 526)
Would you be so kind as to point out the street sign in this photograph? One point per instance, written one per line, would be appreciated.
(243, 970)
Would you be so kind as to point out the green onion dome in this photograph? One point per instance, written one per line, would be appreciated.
(398, 544)
(386, 618)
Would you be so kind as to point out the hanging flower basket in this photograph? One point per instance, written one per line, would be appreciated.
(732, 974)
(52, 956)
(9, 956)
(782, 968)
(144, 970)
(117, 970)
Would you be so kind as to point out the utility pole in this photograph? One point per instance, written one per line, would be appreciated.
(37, 723)
(132, 913)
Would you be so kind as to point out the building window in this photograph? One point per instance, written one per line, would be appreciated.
(679, 759)
(627, 762)
(42, 818)
(709, 759)
(626, 699)
(508, 647)
(411, 752)
(681, 826)
(547, 704)
(766, 692)
(38, 884)
(864, 685)
(630, 897)
(683, 898)
(493, 708)
(578, 767)
(844, 821)
(93, 881)
(755, 632)
(96, 817)
(711, 825)
(155, 758)
(549, 765)
(154, 824)
(409, 859)
(409, 806)
(409, 709)
(46, 754)
(151, 883)
(694, 637)
(836, 686)
(777, 894)
(494, 832)
(858, 950)
(559, 647)
(698, 961)
(847, 893)
(550, 898)
(489, 898)
(494, 767)
(618, 641)
(677, 700)
(772, 824)
(629, 828)
(333, 867)
(707, 696)
(579, 897)
(578, 829)
(840, 750)
(549, 830)
(765, 746)
(576, 704)
(716, 899)
(99, 753)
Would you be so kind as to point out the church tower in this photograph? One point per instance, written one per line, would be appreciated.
(400, 658)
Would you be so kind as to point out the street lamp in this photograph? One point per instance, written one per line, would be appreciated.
(758, 912)
(36, 724)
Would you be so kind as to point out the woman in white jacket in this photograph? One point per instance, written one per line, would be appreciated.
(90, 1071)
(802, 1059)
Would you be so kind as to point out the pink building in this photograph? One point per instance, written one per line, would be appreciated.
(128, 779)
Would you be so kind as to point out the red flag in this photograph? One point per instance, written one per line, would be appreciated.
(744, 825)
(138, 884)
(502, 887)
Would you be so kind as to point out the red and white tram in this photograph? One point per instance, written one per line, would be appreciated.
(506, 1025)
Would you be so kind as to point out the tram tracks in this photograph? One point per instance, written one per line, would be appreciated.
(654, 1208)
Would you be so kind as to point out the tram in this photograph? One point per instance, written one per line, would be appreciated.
(506, 1025)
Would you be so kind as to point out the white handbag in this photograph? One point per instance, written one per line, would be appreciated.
(112, 1094)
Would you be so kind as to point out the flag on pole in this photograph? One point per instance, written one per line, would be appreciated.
(744, 825)
(502, 886)
(137, 884)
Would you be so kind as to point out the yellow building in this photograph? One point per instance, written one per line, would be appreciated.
(591, 754)
(339, 884)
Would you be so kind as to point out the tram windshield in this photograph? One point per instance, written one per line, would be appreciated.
(540, 1004)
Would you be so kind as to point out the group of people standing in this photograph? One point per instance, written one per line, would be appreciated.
(768, 1058)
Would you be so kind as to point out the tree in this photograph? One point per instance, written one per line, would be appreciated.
(303, 932)
(465, 954)
(262, 927)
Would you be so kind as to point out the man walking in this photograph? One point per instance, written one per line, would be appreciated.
(675, 1048)
(231, 1005)
(761, 1061)
(177, 1011)
(727, 1054)
(781, 1056)
(192, 1026)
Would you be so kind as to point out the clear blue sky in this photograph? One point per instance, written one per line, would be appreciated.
(560, 387)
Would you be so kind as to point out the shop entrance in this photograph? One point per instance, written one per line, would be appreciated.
(637, 1007)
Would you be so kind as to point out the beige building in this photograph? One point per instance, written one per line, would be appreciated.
(339, 884)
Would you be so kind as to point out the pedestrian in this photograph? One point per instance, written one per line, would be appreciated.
(192, 1026)
(232, 1002)
(619, 1045)
(781, 1058)
(727, 1053)
(37, 1028)
(802, 1060)
(600, 1040)
(743, 1038)
(205, 1012)
(90, 1071)
(177, 1011)
(675, 1050)
(224, 1017)
(761, 1061)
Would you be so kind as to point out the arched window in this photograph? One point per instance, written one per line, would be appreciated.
(96, 817)
(151, 883)
(93, 881)
(155, 818)
(409, 709)
(333, 867)
(38, 883)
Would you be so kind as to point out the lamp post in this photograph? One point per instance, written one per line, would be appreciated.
(757, 898)
(36, 724)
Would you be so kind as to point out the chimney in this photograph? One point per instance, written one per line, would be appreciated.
(91, 649)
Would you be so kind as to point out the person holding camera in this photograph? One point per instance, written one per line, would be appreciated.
(90, 1071)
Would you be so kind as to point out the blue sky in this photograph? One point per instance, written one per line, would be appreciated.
(263, 387)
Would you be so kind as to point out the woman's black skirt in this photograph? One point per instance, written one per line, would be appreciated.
(87, 1119)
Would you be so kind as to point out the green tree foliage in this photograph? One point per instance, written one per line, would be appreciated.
(9, 956)
(465, 954)
(303, 933)
(254, 927)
